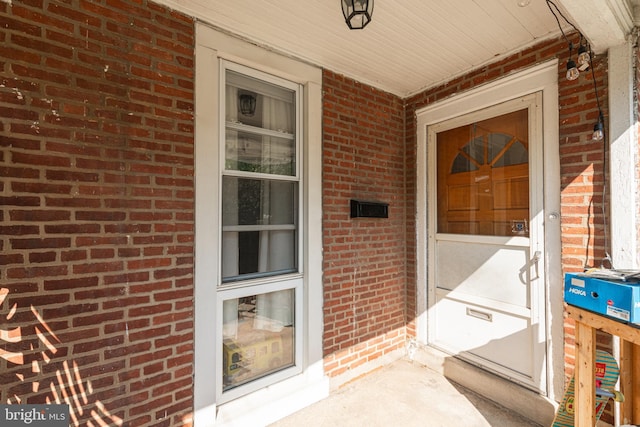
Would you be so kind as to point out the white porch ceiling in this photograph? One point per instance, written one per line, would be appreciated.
(409, 45)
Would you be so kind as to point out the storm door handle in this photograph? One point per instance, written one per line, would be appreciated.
(535, 261)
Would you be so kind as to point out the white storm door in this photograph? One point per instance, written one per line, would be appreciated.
(486, 288)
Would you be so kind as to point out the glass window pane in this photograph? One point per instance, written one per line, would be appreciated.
(258, 201)
(259, 233)
(514, 154)
(258, 336)
(257, 254)
(475, 149)
(463, 164)
(250, 152)
(260, 126)
(273, 109)
(483, 177)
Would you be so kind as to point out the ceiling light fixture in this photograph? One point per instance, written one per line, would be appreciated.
(524, 3)
(357, 13)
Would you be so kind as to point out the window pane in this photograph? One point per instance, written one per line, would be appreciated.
(512, 152)
(260, 228)
(258, 336)
(483, 177)
(273, 109)
(475, 149)
(260, 126)
(250, 152)
(463, 164)
(258, 201)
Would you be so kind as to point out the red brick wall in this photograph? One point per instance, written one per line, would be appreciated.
(581, 158)
(364, 258)
(96, 228)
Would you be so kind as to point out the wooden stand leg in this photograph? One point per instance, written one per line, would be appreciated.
(635, 389)
(626, 385)
(586, 324)
(584, 374)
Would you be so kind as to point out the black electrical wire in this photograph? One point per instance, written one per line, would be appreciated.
(549, 4)
(607, 257)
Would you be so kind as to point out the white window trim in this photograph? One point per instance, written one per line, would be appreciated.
(277, 400)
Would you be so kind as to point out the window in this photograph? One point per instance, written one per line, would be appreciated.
(253, 304)
(260, 278)
(258, 336)
(260, 177)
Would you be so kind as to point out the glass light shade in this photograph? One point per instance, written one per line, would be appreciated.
(247, 104)
(357, 13)
(524, 3)
(584, 58)
(598, 131)
(572, 70)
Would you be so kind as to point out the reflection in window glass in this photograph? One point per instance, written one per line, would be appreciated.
(516, 154)
(259, 227)
(495, 149)
(273, 106)
(248, 152)
(258, 201)
(260, 126)
(258, 336)
(463, 164)
(483, 177)
(475, 149)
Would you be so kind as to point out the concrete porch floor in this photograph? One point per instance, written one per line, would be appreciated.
(404, 393)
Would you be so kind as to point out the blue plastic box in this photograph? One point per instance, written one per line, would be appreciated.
(617, 299)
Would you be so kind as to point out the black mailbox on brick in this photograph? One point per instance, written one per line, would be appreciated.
(360, 209)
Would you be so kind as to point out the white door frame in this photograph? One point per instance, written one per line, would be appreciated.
(540, 78)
